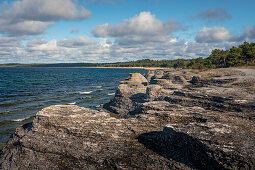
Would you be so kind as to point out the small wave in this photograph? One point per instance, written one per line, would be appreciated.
(111, 94)
(6, 122)
(98, 87)
(98, 105)
(22, 119)
(19, 120)
(86, 92)
(72, 103)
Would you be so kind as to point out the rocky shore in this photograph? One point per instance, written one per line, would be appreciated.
(167, 119)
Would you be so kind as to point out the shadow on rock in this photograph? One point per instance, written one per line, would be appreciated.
(138, 98)
(28, 126)
(181, 148)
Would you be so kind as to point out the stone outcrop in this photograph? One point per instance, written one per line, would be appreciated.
(171, 119)
(129, 94)
(72, 137)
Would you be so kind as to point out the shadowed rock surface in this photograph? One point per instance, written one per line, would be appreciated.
(171, 119)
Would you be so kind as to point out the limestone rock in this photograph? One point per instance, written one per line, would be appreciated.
(195, 79)
(169, 124)
(153, 91)
(129, 94)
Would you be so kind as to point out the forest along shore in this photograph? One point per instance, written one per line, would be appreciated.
(167, 119)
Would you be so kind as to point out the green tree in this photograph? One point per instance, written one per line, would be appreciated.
(248, 51)
(235, 57)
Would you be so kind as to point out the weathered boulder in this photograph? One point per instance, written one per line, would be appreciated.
(72, 137)
(195, 154)
(58, 139)
(149, 75)
(135, 79)
(195, 79)
(153, 91)
(167, 84)
(128, 96)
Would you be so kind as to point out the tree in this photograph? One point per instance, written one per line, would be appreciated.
(218, 57)
(235, 57)
(248, 51)
(180, 63)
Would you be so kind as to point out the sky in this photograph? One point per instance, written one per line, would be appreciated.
(72, 31)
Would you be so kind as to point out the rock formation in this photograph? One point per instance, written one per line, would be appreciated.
(129, 93)
(171, 119)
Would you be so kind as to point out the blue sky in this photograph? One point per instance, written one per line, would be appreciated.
(46, 31)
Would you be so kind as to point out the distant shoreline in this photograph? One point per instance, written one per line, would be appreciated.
(143, 68)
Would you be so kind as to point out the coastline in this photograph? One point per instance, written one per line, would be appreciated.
(31, 90)
(197, 116)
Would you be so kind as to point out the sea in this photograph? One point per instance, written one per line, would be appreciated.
(26, 90)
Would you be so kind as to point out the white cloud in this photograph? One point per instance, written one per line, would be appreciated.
(45, 10)
(213, 35)
(9, 49)
(221, 34)
(42, 51)
(23, 27)
(47, 46)
(142, 36)
(142, 28)
(28, 17)
(75, 43)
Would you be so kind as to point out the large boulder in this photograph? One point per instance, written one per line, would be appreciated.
(72, 137)
(129, 95)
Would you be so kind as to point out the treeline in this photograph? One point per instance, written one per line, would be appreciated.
(242, 55)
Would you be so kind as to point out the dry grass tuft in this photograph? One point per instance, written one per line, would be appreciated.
(219, 73)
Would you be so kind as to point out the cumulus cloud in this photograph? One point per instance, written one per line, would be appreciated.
(247, 35)
(44, 46)
(9, 41)
(23, 27)
(213, 35)
(217, 14)
(249, 32)
(28, 17)
(42, 51)
(221, 34)
(10, 48)
(142, 28)
(75, 43)
(36, 42)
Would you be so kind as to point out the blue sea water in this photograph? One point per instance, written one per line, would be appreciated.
(25, 91)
